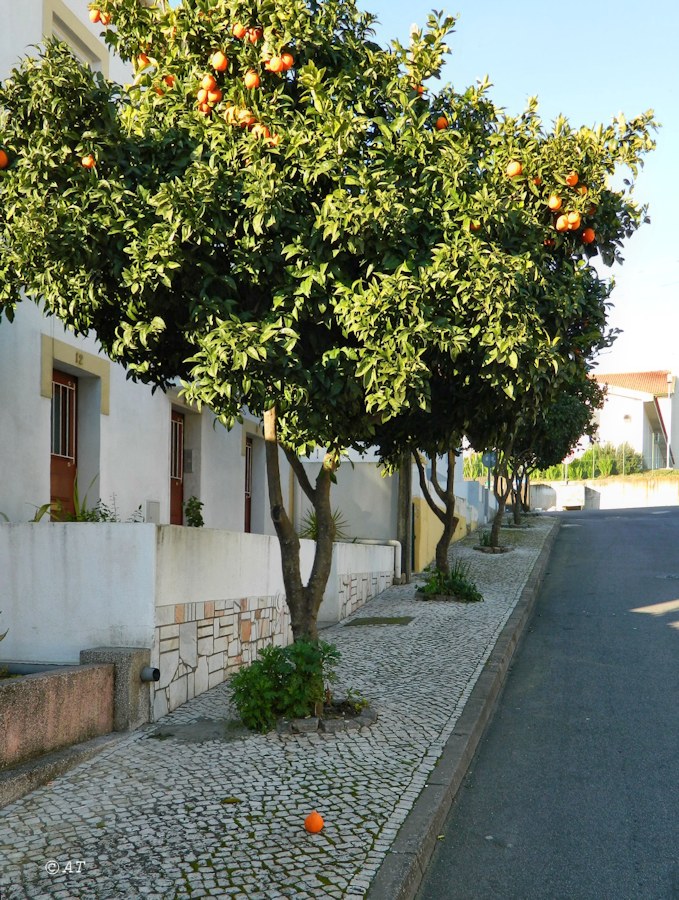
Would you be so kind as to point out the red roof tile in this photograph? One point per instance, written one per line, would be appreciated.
(649, 382)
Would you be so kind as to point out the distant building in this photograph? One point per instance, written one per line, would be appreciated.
(639, 410)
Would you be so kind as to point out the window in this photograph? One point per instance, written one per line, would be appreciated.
(63, 417)
(60, 22)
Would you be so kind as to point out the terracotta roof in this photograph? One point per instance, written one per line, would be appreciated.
(649, 382)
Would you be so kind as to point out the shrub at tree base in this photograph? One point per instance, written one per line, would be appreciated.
(455, 584)
(284, 682)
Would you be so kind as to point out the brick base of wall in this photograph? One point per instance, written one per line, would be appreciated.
(355, 590)
(197, 645)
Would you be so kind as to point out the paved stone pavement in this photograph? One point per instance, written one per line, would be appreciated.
(172, 818)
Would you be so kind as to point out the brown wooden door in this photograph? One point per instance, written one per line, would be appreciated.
(248, 485)
(177, 469)
(63, 458)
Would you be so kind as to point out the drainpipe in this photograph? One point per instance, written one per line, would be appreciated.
(385, 543)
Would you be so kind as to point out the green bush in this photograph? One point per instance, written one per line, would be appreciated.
(193, 509)
(284, 682)
(455, 583)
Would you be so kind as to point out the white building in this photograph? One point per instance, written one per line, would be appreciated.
(640, 410)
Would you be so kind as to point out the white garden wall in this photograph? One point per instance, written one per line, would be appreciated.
(204, 601)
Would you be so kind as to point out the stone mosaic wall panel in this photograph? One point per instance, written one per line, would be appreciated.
(197, 645)
(356, 589)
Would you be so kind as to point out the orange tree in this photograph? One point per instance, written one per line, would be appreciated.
(276, 212)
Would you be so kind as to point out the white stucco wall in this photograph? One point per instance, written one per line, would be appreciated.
(197, 565)
(69, 587)
(366, 500)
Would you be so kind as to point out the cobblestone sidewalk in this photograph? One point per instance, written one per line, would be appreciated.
(224, 817)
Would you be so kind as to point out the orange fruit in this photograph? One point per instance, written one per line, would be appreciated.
(537, 180)
(105, 18)
(205, 108)
(4, 160)
(474, 226)
(253, 35)
(88, 161)
(561, 223)
(142, 60)
(514, 168)
(201, 96)
(573, 221)
(288, 61)
(209, 83)
(95, 16)
(554, 202)
(275, 140)
(251, 79)
(582, 189)
(260, 130)
(314, 822)
(214, 96)
(572, 179)
(588, 235)
(441, 123)
(219, 62)
(276, 64)
(419, 89)
(239, 31)
(169, 80)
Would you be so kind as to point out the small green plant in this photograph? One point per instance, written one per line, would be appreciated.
(285, 681)
(193, 511)
(310, 525)
(484, 539)
(456, 583)
(356, 701)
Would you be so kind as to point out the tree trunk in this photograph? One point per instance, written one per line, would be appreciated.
(446, 515)
(517, 492)
(501, 496)
(404, 527)
(303, 600)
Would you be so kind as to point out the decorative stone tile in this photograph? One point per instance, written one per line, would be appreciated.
(188, 649)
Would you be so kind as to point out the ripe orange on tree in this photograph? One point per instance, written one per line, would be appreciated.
(219, 62)
(572, 179)
(276, 64)
(4, 159)
(288, 61)
(169, 80)
(95, 16)
(561, 223)
(251, 79)
(201, 96)
(239, 31)
(514, 168)
(88, 161)
(441, 123)
(419, 89)
(474, 226)
(554, 202)
(582, 189)
(588, 235)
(143, 60)
(253, 35)
(573, 221)
(105, 18)
(209, 83)
(214, 96)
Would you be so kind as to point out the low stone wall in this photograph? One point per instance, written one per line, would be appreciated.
(356, 589)
(603, 493)
(199, 644)
(50, 710)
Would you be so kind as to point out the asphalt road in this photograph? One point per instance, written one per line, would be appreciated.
(574, 793)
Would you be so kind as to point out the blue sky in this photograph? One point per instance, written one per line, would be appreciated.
(589, 62)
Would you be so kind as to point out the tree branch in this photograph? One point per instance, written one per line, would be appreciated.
(425, 490)
(299, 470)
(435, 479)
